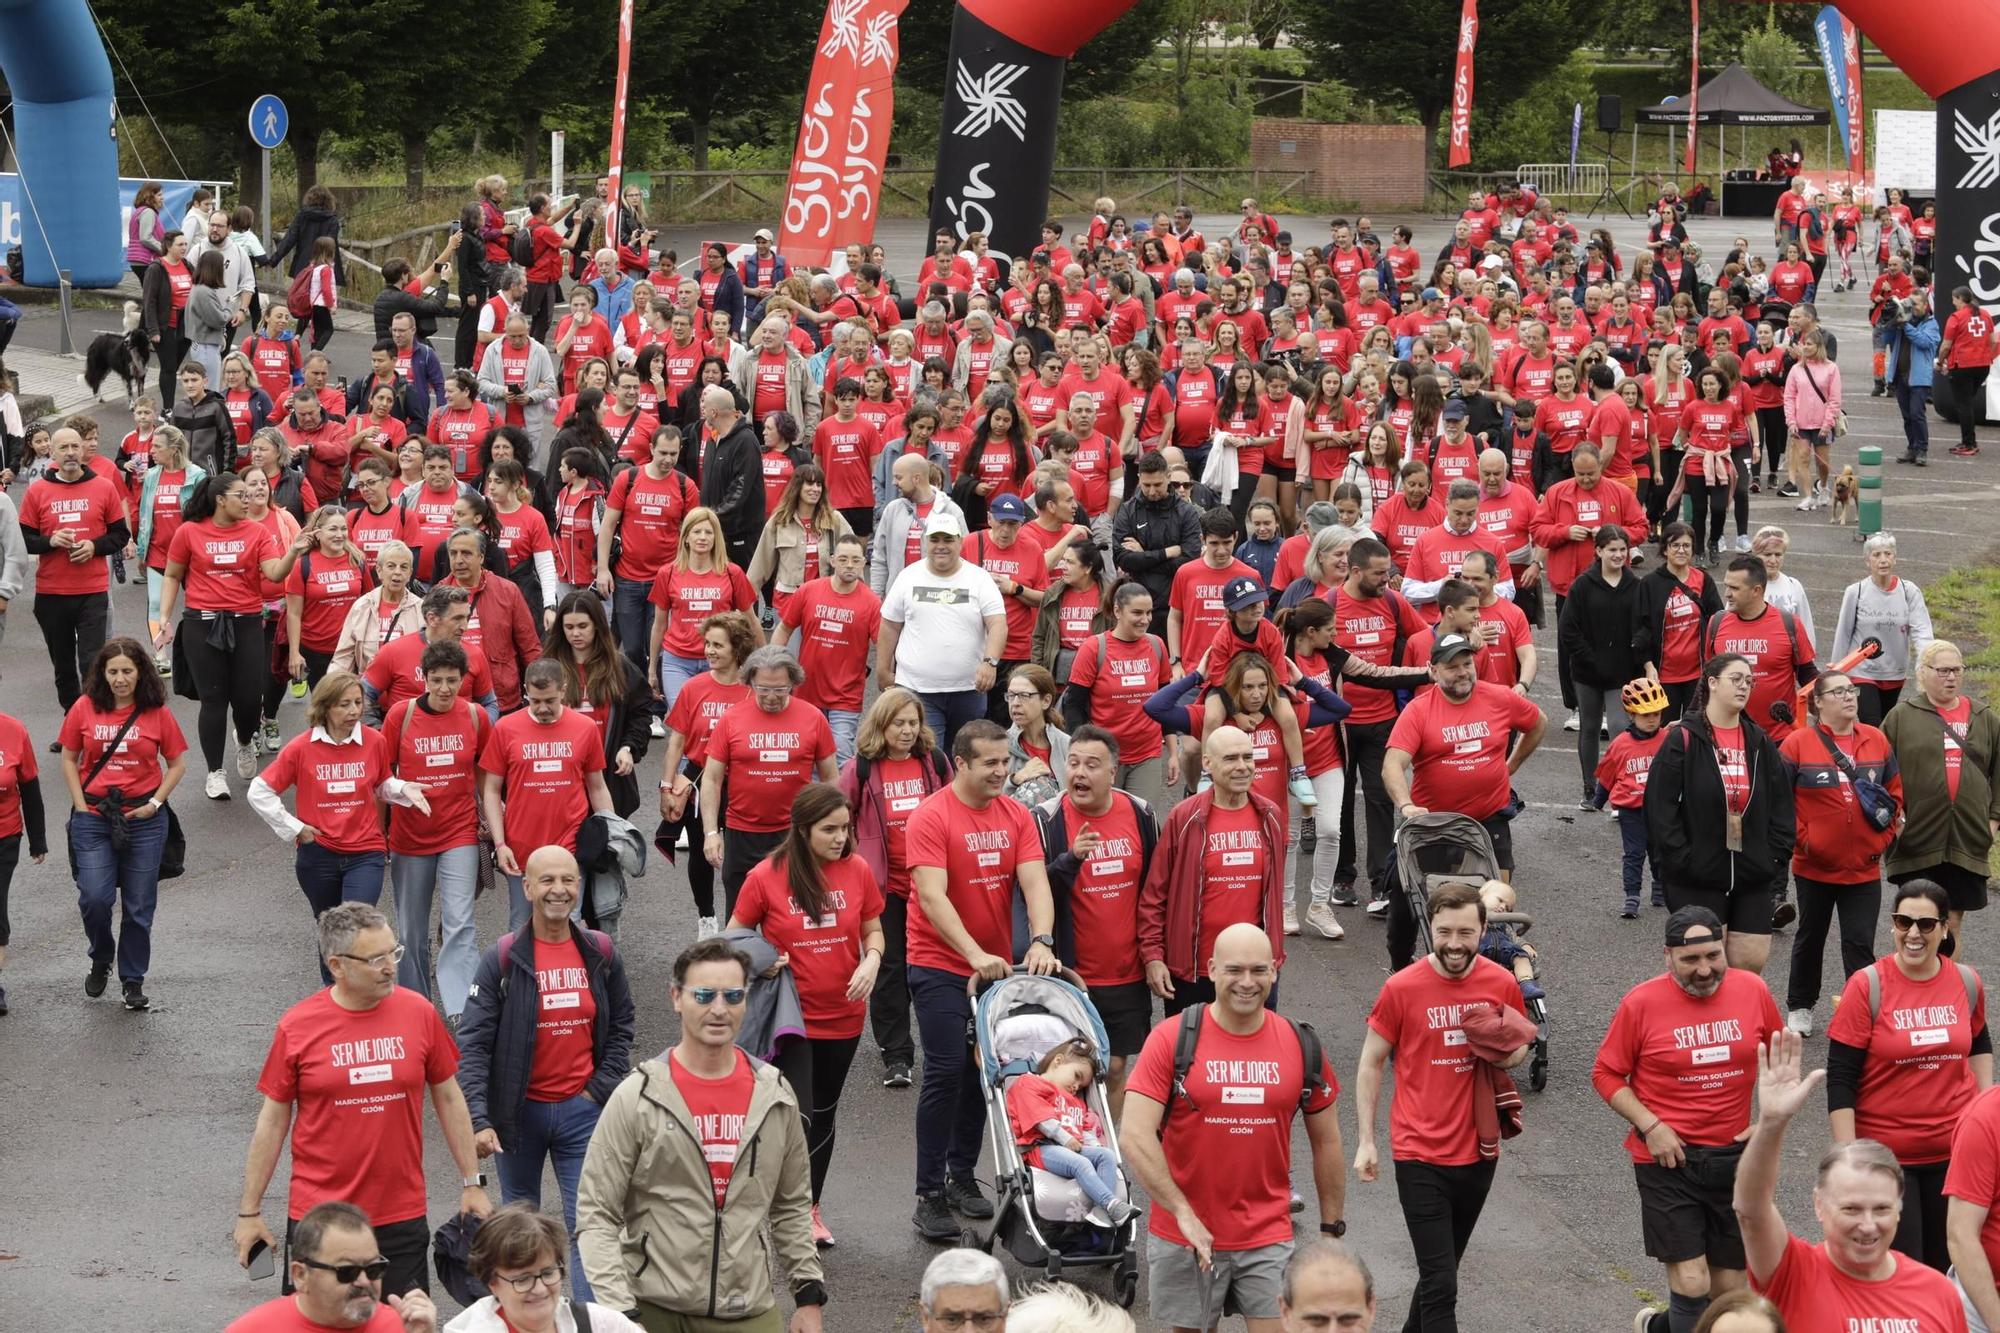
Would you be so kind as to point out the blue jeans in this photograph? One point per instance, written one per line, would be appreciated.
(951, 1113)
(331, 878)
(1095, 1169)
(676, 672)
(450, 876)
(1914, 402)
(517, 903)
(130, 878)
(559, 1131)
(631, 616)
(844, 721)
(1637, 854)
(948, 710)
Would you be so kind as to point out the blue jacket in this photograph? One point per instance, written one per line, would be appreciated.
(1924, 338)
(614, 303)
(195, 474)
(496, 1038)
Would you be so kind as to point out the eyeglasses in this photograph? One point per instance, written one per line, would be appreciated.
(1736, 679)
(1018, 697)
(1923, 925)
(347, 1273)
(983, 1320)
(524, 1283)
(1839, 692)
(771, 689)
(705, 995)
(1947, 671)
(394, 955)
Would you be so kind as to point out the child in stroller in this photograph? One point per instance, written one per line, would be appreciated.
(1061, 1134)
(1503, 944)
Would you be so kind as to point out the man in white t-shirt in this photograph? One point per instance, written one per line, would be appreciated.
(946, 617)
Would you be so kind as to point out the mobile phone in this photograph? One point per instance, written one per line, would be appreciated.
(263, 1261)
(513, 388)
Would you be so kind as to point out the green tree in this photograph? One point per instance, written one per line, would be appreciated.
(1663, 25)
(1773, 60)
(1100, 68)
(1410, 57)
(710, 59)
(577, 55)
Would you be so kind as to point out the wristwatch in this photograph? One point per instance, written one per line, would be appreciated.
(1046, 941)
(475, 1181)
(993, 662)
(1333, 1229)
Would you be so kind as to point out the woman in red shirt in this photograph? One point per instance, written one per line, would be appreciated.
(222, 559)
(581, 336)
(1707, 429)
(377, 432)
(342, 773)
(1968, 351)
(20, 811)
(122, 757)
(727, 639)
(996, 460)
(1332, 430)
(1242, 414)
(165, 286)
(699, 582)
(1153, 409)
(820, 907)
(325, 584)
(249, 406)
(159, 512)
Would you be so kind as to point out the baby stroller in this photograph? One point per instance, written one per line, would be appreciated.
(1442, 848)
(1040, 1217)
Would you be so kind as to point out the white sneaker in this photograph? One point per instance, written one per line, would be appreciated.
(705, 928)
(216, 788)
(1808, 503)
(1742, 543)
(1319, 915)
(1800, 1021)
(246, 761)
(659, 729)
(1291, 919)
(1571, 724)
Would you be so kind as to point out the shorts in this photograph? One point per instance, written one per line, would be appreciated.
(1127, 1012)
(1500, 828)
(1239, 1282)
(1747, 911)
(1685, 1211)
(1966, 890)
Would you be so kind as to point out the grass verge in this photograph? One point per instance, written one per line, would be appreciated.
(1965, 608)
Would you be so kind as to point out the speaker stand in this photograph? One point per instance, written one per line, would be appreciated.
(1608, 195)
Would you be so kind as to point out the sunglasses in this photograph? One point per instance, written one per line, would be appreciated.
(732, 997)
(347, 1273)
(1923, 925)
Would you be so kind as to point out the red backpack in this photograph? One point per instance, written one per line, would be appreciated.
(298, 297)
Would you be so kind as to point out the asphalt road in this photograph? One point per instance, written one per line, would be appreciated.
(129, 1130)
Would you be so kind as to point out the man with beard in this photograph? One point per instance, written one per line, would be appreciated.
(1442, 1177)
(336, 1275)
(1688, 1103)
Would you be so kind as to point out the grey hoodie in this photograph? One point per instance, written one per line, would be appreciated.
(1898, 617)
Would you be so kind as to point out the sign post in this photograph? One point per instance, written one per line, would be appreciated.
(268, 122)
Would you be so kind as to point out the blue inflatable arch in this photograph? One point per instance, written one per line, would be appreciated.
(63, 108)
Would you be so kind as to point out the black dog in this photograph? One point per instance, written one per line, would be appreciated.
(125, 355)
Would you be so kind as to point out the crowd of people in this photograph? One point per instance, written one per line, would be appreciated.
(1044, 613)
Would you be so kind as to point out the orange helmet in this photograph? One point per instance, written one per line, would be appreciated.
(1643, 695)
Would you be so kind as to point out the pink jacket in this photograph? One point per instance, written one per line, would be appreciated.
(1805, 409)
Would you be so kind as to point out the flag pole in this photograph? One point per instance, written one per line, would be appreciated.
(617, 169)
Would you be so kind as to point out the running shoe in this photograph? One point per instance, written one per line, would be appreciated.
(706, 927)
(1379, 907)
(1800, 1021)
(1302, 791)
(1291, 919)
(933, 1218)
(1742, 543)
(1344, 895)
(216, 788)
(1789, 491)
(273, 739)
(100, 974)
(896, 1076)
(658, 729)
(964, 1196)
(1319, 915)
(1783, 915)
(1571, 723)
(1965, 451)
(246, 760)
(135, 997)
(163, 663)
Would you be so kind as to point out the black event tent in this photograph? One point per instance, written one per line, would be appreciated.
(1734, 97)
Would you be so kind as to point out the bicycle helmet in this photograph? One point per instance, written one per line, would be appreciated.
(1643, 696)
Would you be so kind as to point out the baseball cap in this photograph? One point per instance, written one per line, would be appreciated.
(1242, 592)
(944, 521)
(1007, 509)
(1450, 646)
(1454, 410)
(762, 234)
(1686, 919)
(1492, 261)
(1431, 294)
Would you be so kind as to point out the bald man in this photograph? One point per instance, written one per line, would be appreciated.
(72, 519)
(1218, 1170)
(732, 474)
(1220, 861)
(1328, 1289)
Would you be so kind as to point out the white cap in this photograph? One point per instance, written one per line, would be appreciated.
(762, 234)
(946, 521)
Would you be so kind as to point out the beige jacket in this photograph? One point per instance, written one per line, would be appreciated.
(646, 1221)
(781, 553)
(361, 634)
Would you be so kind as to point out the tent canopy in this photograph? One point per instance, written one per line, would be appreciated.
(1734, 97)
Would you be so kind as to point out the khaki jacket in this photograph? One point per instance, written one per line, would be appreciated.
(646, 1221)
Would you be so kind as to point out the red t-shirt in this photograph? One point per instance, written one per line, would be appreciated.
(1693, 1062)
(282, 1316)
(1460, 750)
(1974, 1174)
(17, 765)
(900, 788)
(1232, 876)
(778, 466)
(769, 757)
(1025, 564)
(1680, 632)
(136, 770)
(367, 531)
(1399, 523)
(1626, 766)
(1767, 646)
(768, 383)
(718, 1108)
(1368, 627)
(1197, 594)
(1970, 333)
(1090, 472)
(441, 751)
(689, 597)
(1611, 419)
(336, 585)
(167, 516)
(1957, 721)
(357, 1079)
(846, 452)
(397, 673)
(824, 951)
(85, 508)
(1917, 1079)
(1233, 1111)
(1733, 766)
(837, 634)
(1811, 1293)
(542, 769)
(563, 1061)
(979, 851)
(336, 787)
(649, 524)
(1710, 427)
(1104, 901)
(1194, 395)
(524, 534)
(701, 704)
(1418, 1013)
(1499, 661)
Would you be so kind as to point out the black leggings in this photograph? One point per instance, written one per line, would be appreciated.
(889, 1005)
(1745, 470)
(1711, 510)
(1876, 700)
(1663, 485)
(276, 679)
(10, 856)
(1679, 692)
(1772, 434)
(1920, 1232)
(701, 875)
(817, 1070)
(171, 351)
(1968, 394)
(322, 327)
(228, 683)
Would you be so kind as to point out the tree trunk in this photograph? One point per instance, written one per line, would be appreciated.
(250, 170)
(414, 141)
(698, 145)
(1433, 160)
(305, 156)
(531, 136)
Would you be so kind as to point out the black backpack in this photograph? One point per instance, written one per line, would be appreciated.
(1189, 1033)
(521, 248)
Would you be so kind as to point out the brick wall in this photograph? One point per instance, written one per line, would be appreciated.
(1374, 166)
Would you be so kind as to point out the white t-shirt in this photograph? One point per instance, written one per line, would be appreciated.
(944, 624)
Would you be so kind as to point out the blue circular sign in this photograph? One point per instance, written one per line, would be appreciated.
(268, 121)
